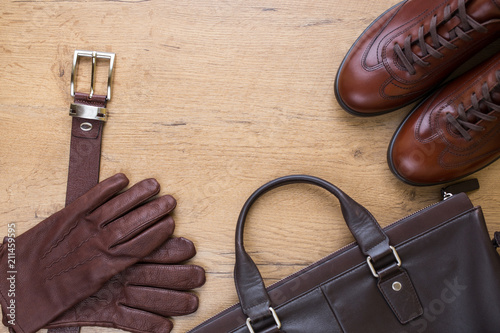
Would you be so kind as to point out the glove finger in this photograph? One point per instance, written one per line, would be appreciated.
(140, 242)
(127, 319)
(138, 321)
(133, 223)
(177, 277)
(99, 194)
(174, 250)
(162, 302)
(126, 201)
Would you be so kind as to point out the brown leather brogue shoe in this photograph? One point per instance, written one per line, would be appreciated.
(410, 49)
(454, 132)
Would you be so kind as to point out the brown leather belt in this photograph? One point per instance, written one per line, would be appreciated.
(89, 115)
(85, 148)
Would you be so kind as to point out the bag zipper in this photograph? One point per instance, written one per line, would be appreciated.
(464, 186)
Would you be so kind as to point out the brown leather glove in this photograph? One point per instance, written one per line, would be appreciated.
(140, 298)
(73, 253)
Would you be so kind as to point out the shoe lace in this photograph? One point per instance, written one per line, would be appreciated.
(409, 58)
(480, 109)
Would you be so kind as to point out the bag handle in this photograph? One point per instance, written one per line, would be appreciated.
(253, 296)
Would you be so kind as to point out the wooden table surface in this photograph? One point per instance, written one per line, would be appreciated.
(212, 98)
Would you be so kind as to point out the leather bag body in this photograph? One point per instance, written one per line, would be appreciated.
(435, 271)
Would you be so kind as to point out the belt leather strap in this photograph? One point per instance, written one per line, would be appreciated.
(85, 149)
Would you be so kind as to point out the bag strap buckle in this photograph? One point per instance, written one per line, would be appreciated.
(372, 268)
(275, 316)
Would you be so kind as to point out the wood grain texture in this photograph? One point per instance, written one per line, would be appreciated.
(213, 98)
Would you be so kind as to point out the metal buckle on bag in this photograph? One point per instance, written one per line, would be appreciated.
(372, 268)
(275, 316)
(94, 55)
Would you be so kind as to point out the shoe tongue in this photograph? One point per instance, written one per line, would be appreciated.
(483, 10)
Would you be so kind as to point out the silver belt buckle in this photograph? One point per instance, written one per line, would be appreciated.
(88, 111)
(94, 55)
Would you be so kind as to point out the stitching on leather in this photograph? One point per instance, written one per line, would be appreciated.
(84, 99)
(257, 305)
(395, 309)
(72, 251)
(61, 239)
(391, 305)
(327, 299)
(403, 87)
(76, 224)
(441, 226)
(376, 245)
(469, 161)
(438, 69)
(461, 90)
(384, 49)
(377, 226)
(73, 267)
(464, 86)
(389, 69)
(365, 53)
(390, 80)
(416, 134)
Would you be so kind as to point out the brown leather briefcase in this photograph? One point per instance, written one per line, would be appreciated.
(433, 271)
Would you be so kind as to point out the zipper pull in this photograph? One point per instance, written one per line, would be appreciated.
(465, 186)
